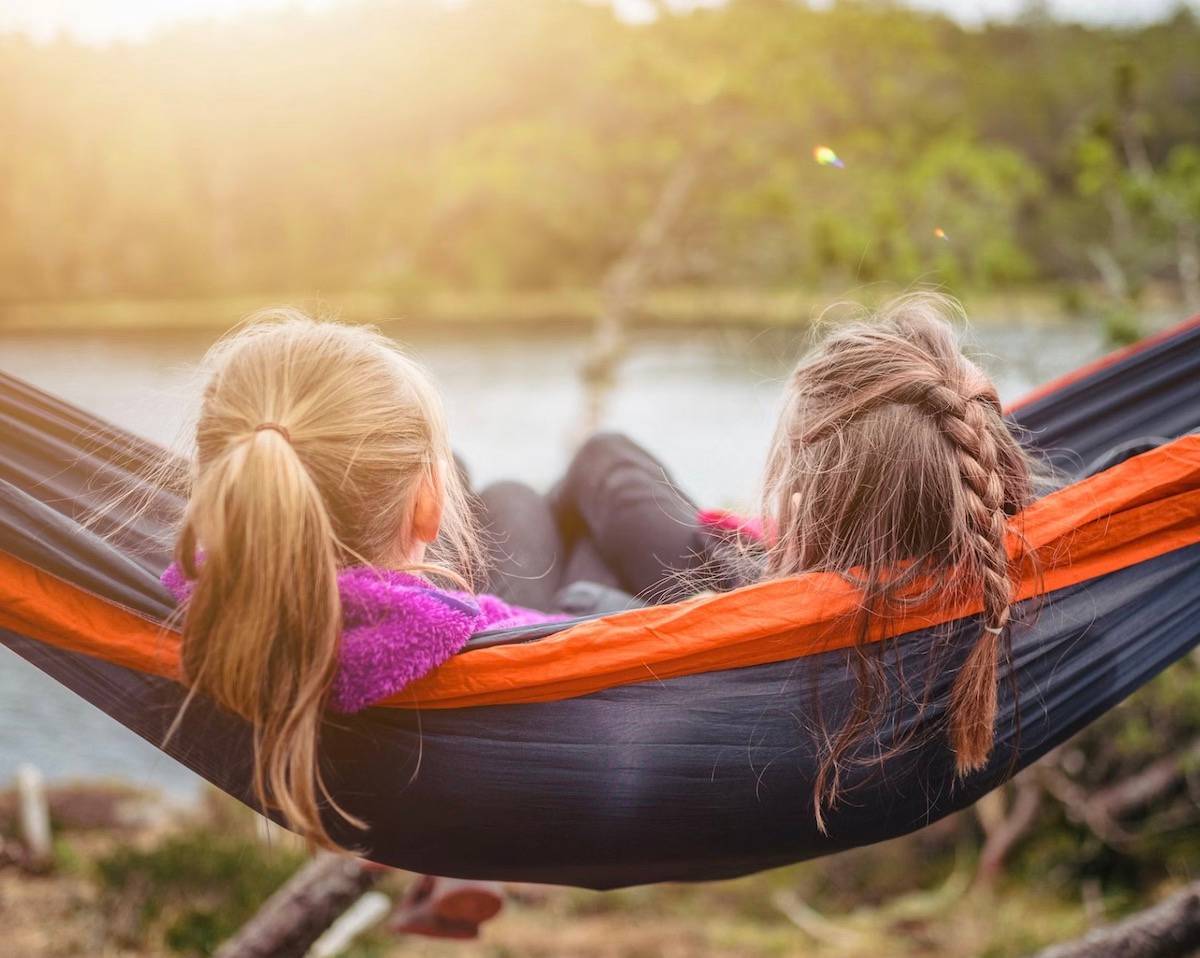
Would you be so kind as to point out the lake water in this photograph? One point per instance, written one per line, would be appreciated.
(703, 400)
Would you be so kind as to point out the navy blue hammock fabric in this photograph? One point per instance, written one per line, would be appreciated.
(694, 776)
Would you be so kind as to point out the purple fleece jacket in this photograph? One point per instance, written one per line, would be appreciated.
(396, 627)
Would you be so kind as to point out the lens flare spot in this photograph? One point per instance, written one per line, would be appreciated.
(826, 157)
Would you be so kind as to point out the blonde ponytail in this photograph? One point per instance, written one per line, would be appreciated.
(312, 442)
(262, 625)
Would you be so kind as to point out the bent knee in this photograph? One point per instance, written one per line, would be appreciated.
(509, 490)
(602, 448)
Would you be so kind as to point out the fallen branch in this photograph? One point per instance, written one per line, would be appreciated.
(363, 915)
(299, 913)
(1168, 930)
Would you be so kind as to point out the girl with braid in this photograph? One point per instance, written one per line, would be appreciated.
(891, 465)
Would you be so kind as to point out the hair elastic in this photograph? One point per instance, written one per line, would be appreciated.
(274, 426)
(988, 628)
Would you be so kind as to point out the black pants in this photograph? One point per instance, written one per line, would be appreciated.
(616, 519)
(528, 559)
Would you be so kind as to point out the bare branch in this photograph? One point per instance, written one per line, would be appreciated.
(814, 924)
(1147, 785)
(1101, 811)
(1111, 271)
(1168, 930)
(625, 282)
(1075, 800)
(1003, 835)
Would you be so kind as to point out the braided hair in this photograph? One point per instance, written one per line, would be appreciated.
(893, 466)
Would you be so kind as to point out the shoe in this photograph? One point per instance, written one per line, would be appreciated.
(447, 907)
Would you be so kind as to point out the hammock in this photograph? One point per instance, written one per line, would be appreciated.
(669, 743)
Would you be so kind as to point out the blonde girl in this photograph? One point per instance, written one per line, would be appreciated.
(323, 498)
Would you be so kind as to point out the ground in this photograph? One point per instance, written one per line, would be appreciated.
(180, 885)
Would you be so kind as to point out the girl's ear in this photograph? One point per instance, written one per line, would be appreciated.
(428, 508)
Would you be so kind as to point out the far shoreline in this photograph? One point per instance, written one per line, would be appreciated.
(565, 310)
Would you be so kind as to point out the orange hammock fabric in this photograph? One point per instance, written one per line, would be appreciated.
(647, 746)
(1145, 507)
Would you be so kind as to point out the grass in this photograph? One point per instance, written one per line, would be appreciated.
(194, 889)
(190, 887)
(184, 890)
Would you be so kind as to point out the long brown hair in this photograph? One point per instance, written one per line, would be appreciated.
(312, 440)
(893, 466)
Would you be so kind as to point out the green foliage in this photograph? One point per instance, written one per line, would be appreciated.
(196, 887)
(1160, 838)
(410, 147)
(1121, 325)
(66, 858)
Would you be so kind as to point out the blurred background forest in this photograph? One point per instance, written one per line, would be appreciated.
(417, 148)
(547, 200)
